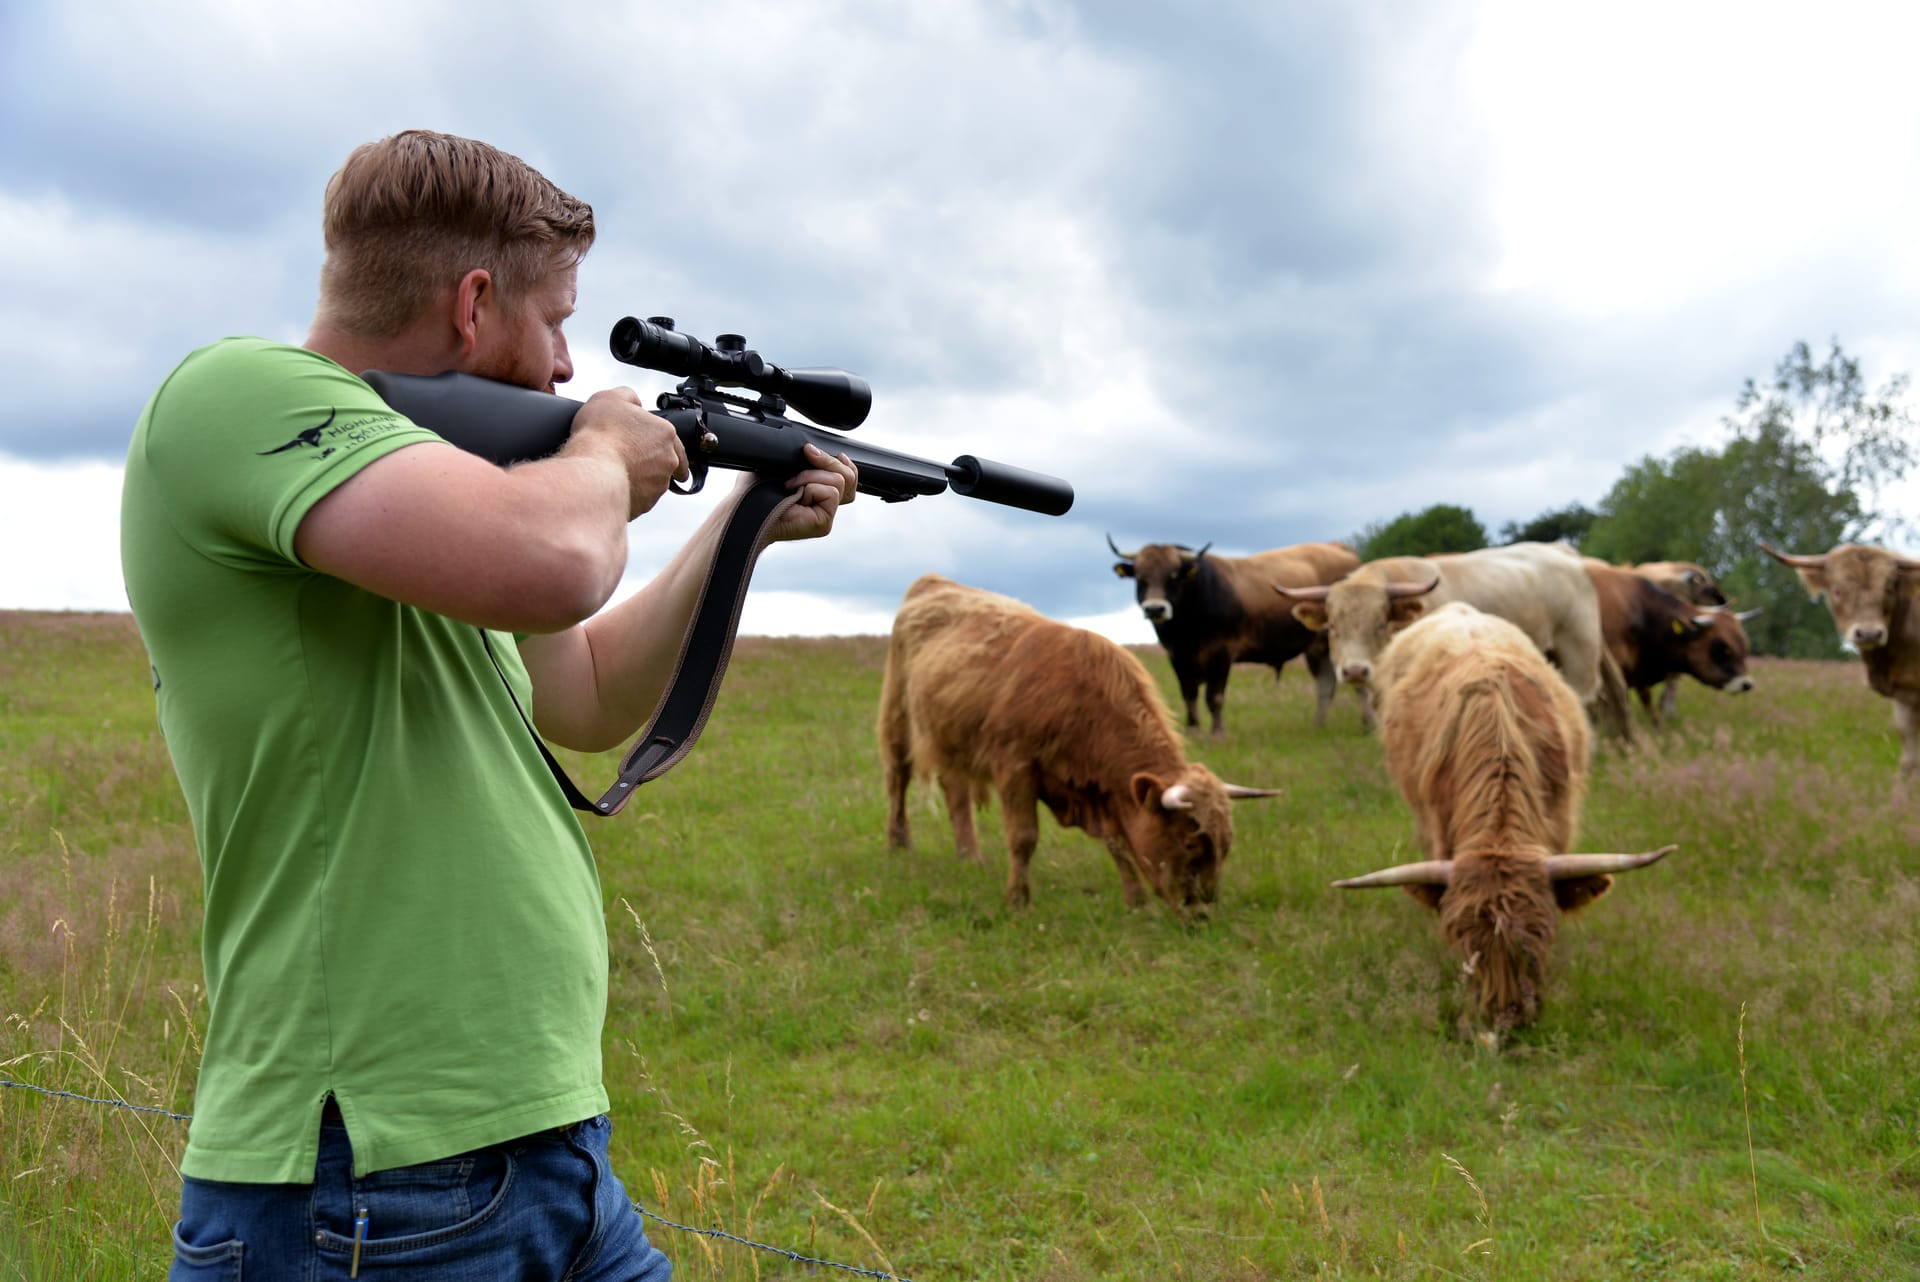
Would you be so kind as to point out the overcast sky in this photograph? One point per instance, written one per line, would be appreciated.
(1248, 274)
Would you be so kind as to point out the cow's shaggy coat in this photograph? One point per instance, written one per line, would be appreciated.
(1489, 747)
(983, 691)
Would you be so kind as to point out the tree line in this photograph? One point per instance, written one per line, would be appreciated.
(1807, 456)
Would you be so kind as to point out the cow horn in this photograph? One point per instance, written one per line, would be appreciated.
(1177, 797)
(1203, 549)
(1428, 872)
(1304, 594)
(1124, 556)
(1563, 867)
(1796, 561)
(1744, 615)
(1397, 590)
(1238, 792)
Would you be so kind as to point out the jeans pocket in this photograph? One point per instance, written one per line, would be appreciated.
(217, 1263)
(414, 1208)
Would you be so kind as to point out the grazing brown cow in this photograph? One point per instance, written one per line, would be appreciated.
(1211, 612)
(981, 689)
(1489, 746)
(1654, 637)
(1870, 593)
(1689, 582)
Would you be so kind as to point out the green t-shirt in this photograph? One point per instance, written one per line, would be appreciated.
(401, 910)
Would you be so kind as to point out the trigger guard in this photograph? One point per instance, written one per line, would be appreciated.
(693, 486)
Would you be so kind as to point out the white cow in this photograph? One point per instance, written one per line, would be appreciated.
(1540, 588)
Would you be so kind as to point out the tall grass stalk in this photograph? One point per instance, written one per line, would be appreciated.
(1746, 1113)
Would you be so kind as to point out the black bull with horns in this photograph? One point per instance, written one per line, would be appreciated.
(1210, 612)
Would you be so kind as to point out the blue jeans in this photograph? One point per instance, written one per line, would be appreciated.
(545, 1206)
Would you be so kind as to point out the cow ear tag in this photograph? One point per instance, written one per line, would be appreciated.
(1679, 628)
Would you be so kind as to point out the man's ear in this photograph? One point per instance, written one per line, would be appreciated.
(475, 303)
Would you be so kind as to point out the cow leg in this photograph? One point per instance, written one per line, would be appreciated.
(1325, 683)
(1188, 675)
(899, 775)
(1219, 668)
(896, 755)
(1130, 887)
(1602, 687)
(959, 797)
(1669, 702)
(1645, 694)
(1019, 805)
(1906, 719)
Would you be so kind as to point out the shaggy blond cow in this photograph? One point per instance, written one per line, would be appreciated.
(1489, 747)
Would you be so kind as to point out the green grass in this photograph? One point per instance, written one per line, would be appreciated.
(861, 1055)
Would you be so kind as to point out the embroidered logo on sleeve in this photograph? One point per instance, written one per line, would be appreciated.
(327, 436)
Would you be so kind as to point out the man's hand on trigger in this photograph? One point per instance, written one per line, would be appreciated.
(614, 423)
(828, 483)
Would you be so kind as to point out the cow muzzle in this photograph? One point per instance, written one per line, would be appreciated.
(1357, 674)
(1867, 636)
(1740, 684)
(1157, 611)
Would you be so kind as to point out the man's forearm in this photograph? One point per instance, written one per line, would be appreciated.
(597, 683)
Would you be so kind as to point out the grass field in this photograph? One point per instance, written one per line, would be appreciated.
(863, 1056)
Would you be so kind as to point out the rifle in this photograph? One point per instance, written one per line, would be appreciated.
(506, 424)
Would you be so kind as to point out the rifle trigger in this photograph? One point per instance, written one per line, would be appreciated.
(696, 479)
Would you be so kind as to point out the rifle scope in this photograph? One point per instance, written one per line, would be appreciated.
(830, 397)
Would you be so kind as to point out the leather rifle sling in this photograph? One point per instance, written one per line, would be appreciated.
(682, 712)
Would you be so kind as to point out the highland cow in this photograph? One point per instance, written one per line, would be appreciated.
(982, 690)
(1489, 747)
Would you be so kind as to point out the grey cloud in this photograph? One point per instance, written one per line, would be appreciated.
(1266, 223)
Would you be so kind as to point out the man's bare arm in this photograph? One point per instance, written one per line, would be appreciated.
(533, 548)
(594, 685)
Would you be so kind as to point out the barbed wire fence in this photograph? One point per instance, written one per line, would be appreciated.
(719, 1234)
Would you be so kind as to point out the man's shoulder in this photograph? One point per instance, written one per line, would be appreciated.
(248, 359)
(259, 385)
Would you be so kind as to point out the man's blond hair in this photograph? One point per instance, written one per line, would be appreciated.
(406, 217)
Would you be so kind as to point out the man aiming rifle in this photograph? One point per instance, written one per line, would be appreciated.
(348, 619)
